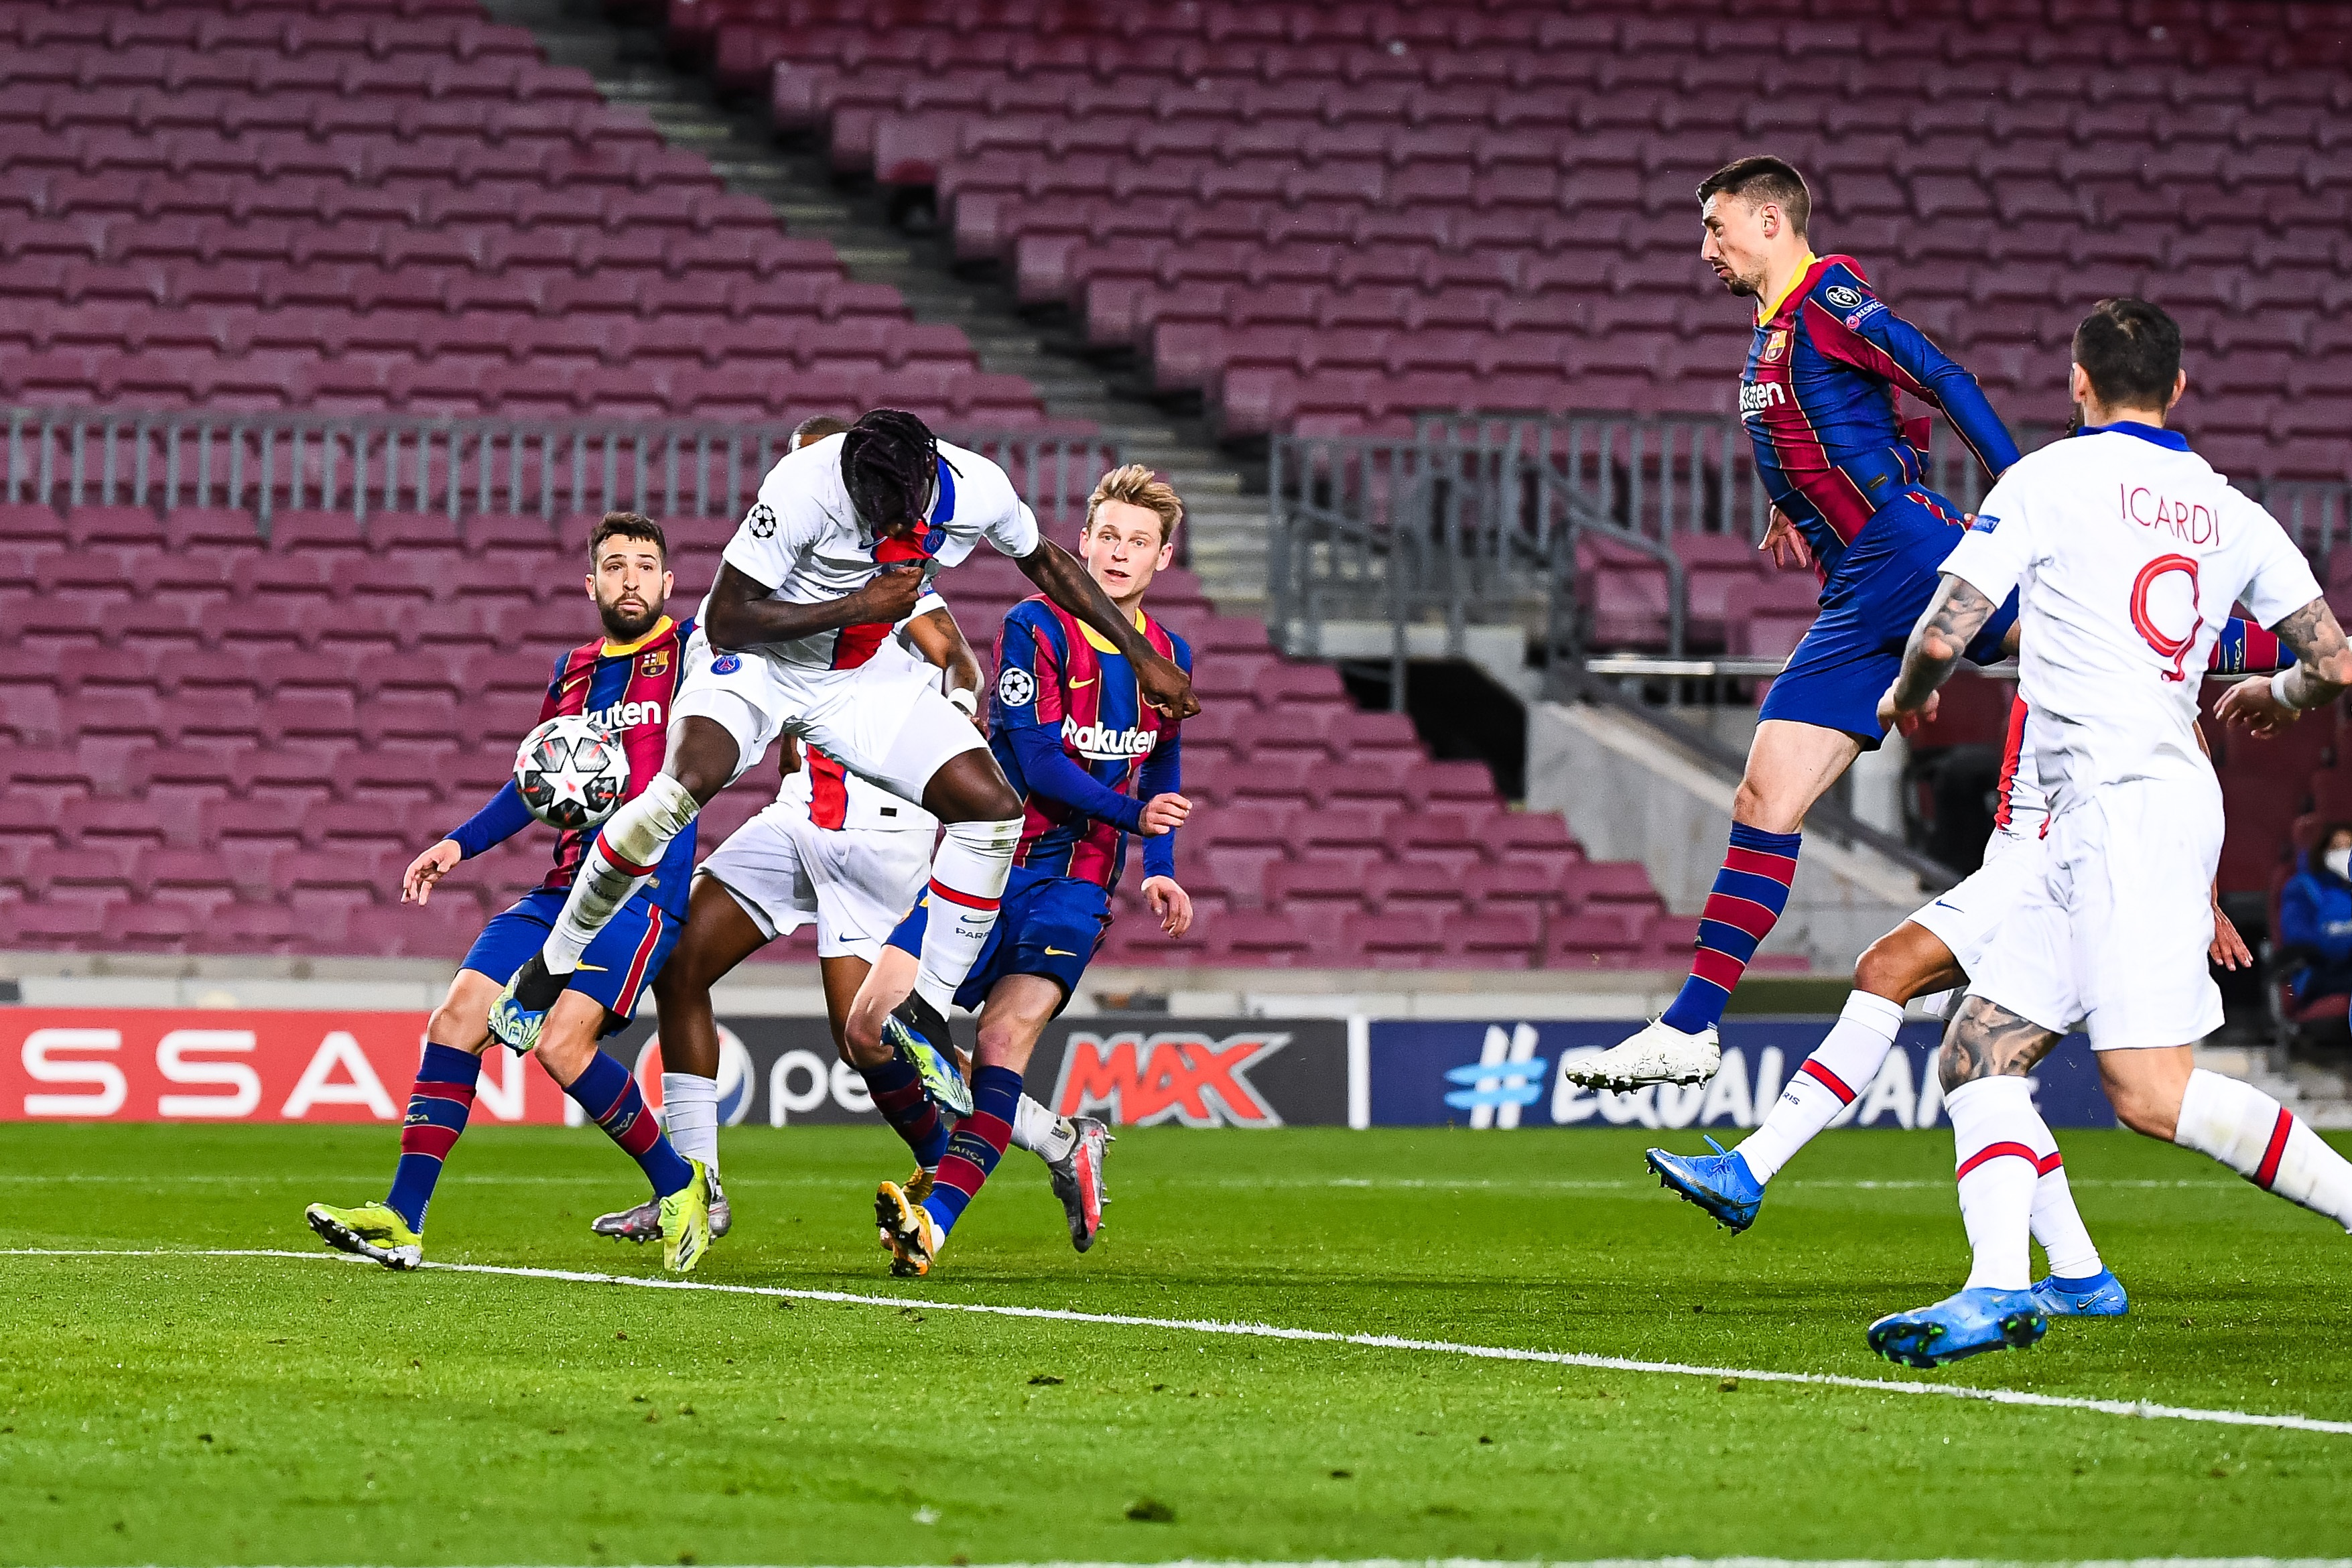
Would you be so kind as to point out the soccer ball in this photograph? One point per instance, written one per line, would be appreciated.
(572, 772)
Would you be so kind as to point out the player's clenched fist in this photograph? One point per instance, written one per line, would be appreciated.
(889, 595)
(1165, 688)
(416, 883)
(1165, 814)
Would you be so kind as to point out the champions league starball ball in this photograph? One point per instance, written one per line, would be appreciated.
(571, 771)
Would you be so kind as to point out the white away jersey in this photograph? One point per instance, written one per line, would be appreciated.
(2127, 550)
(803, 540)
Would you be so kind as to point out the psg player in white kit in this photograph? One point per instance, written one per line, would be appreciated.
(841, 542)
(2126, 551)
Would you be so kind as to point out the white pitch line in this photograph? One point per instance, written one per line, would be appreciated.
(2138, 1409)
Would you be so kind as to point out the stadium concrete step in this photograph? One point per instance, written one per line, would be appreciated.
(879, 244)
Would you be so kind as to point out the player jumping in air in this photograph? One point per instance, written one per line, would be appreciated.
(841, 542)
(834, 850)
(1819, 398)
(1094, 762)
(2128, 552)
(629, 677)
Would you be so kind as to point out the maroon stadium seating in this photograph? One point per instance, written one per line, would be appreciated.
(372, 206)
(1326, 218)
(215, 744)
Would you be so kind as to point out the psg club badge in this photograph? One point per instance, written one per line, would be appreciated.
(726, 664)
(1016, 688)
(763, 521)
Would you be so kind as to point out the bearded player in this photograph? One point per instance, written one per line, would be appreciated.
(1935, 951)
(628, 679)
(842, 541)
(1094, 762)
(2128, 551)
(1819, 397)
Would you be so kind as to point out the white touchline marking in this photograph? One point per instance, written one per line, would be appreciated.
(2140, 1409)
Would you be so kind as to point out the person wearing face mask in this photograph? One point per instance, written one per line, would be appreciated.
(2315, 919)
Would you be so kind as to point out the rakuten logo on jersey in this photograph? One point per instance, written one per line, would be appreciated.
(1100, 744)
(1756, 397)
(626, 715)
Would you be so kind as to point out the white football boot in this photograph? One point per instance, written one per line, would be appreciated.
(1659, 1053)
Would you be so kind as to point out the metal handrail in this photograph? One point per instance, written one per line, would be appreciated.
(359, 464)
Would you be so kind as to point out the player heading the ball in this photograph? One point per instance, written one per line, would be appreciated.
(844, 538)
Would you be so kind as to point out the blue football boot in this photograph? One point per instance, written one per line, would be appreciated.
(520, 1011)
(937, 1069)
(1966, 1324)
(1718, 1182)
(2099, 1295)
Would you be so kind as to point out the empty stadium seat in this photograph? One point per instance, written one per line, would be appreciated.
(1132, 165)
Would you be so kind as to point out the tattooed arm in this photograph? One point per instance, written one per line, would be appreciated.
(2267, 704)
(1988, 1040)
(1951, 622)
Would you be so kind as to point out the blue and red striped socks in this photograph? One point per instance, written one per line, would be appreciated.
(897, 1091)
(438, 1108)
(1749, 893)
(977, 1144)
(610, 1097)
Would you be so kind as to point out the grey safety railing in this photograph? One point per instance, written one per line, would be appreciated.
(266, 463)
(1414, 534)
(1661, 477)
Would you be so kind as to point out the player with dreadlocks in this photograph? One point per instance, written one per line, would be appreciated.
(843, 539)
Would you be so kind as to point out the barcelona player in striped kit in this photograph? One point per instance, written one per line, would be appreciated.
(1820, 394)
(1093, 763)
(629, 679)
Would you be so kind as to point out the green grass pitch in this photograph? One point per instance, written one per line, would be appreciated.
(195, 1409)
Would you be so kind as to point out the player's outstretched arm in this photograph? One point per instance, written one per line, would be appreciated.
(1919, 367)
(1951, 622)
(742, 616)
(2321, 673)
(1060, 578)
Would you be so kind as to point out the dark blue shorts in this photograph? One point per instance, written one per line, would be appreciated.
(623, 960)
(1881, 586)
(1046, 925)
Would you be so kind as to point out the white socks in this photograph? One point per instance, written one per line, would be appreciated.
(690, 1116)
(1825, 1082)
(2057, 1224)
(1996, 1132)
(620, 860)
(2260, 1138)
(968, 876)
(1041, 1131)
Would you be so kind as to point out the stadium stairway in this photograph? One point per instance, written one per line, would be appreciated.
(631, 66)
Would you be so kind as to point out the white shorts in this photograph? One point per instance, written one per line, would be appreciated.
(883, 720)
(2112, 932)
(856, 883)
(1966, 918)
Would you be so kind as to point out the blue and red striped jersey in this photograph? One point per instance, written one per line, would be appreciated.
(1819, 397)
(631, 687)
(1059, 680)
